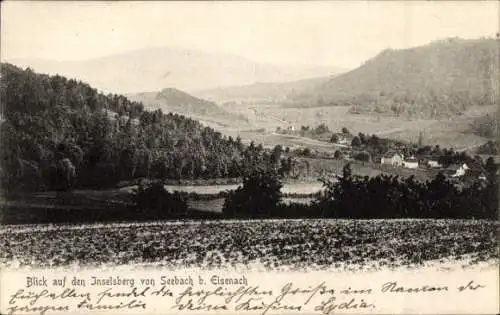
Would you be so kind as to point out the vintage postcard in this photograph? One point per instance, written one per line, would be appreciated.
(215, 157)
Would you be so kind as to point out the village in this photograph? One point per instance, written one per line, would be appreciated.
(390, 156)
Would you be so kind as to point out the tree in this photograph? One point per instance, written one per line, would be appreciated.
(306, 152)
(257, 197)
(154, 200)
(276, 156)
(491, 167)
(322, 128)
(356, 142)
(363, 156)
(337, 155)
(334, 138)
(362, 138)
(420, 139)
(345, 131)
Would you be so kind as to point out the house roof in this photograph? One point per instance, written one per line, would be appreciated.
(412, 160)
(390, 154)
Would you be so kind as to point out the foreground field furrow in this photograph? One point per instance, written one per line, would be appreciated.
(272, 244)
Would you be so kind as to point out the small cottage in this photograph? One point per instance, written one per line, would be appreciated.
(392, 158)
(433, 164)
(457, 170)
(342, 140)
(412, 162)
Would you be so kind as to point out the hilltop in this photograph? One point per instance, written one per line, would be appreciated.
(153, 69)
(441, 78)
(180, 102)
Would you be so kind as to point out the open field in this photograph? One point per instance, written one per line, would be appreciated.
(110, 204)
(273, 244)
(454, 132)
(288, 188)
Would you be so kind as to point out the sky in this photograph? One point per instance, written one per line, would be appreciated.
(343, 34)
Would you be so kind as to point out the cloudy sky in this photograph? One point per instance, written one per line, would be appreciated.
(321, 33)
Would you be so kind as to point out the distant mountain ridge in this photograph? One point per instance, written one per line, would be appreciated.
(153, 69)
(267, 93)
(443, 77)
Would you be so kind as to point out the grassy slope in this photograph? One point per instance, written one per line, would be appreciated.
(454, 132)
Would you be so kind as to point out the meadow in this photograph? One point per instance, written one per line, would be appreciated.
(270, 244)
(453, 132)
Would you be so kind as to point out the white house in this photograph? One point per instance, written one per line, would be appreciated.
(433, 164)
(342, 140)
(412, 162)
(392, 158)
(461, 171)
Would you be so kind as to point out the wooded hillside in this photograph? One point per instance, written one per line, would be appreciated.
(442, 78)
(58, 133)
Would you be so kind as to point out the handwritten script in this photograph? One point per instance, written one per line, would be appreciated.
(208, 294)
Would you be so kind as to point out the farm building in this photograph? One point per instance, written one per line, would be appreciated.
(455, 170)
(343, 140)
(392, 158)
(412, 162)
(433, 163)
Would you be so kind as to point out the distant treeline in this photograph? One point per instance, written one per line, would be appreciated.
(382, 196)
(350, 196)
(58, 133)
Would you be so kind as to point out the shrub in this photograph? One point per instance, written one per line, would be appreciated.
(356, 142)
(257, 197)
(153, 198)
(334, 138)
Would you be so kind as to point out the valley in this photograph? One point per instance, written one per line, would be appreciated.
(453, 132)
(184, 137)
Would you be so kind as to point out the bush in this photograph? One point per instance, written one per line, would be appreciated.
(323, 128)
(257, 197)
(153, 198)
(363, 156)
(334, 138)
(356, 142)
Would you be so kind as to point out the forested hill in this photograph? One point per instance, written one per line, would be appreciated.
(58, 133)
(174, 100)
(177, 101)
(441, 78)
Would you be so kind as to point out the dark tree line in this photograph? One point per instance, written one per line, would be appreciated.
(387, 196)
(59, 133)
(357, 197)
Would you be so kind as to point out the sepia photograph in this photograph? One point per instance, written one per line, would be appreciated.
(249, 141)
